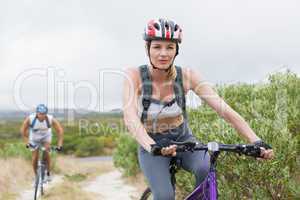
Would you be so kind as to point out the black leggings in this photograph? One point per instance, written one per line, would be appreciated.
(156, 168)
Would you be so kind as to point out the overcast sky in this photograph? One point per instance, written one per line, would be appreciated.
(71, 53)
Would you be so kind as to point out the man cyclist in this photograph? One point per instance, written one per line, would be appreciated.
(39, 125)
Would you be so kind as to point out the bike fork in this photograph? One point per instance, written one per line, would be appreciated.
(213, 192)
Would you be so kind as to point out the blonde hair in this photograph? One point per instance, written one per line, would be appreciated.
(172, 73)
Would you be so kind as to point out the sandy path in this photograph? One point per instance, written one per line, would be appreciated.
(110, 186)
(29, 193)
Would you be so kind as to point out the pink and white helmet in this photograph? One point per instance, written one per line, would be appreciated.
(163, 29)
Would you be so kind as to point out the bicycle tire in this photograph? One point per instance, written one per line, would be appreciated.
(36, 186)
(146, 194)
(42, 180)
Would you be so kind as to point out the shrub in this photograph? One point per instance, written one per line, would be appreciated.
(89, 146)
(108, 141)
(75, 141)
(125, 155)
(15, 150)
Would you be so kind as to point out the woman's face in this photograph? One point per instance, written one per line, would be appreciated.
(162, 53)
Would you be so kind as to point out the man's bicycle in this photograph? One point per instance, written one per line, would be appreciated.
(41, 169)
(208, 189)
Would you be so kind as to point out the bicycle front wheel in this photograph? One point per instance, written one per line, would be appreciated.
(42, 180)
(147, 195)
(37, 183)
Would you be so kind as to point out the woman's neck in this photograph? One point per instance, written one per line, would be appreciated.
(158, 75)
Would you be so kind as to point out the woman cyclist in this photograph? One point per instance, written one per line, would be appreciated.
(154, 109)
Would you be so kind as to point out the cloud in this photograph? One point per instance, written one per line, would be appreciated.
(228, 41)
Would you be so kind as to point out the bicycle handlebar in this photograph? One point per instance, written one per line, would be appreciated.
(34, 147)
(246, 149)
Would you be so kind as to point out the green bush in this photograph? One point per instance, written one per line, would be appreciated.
(77, 141)
(10, 130)
(71, 143)
(15, 150)
(89, 146)
(125, 155)
(273, 112)
(18, 149)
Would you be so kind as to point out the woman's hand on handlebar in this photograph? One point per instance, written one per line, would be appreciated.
(159, 150)
(266, 150)
(169, 151)
(266, 154)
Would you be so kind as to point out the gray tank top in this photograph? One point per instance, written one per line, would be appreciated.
(150, 108)
(159, 110)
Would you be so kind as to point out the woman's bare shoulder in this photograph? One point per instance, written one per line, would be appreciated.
(191, 77)
(132, 73)
(189, 72)
(133, 76)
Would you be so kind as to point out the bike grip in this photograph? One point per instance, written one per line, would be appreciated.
(180, 149)
(256, 153)
(156, 149)
(30, 146)
(261, 143)
(59, 148)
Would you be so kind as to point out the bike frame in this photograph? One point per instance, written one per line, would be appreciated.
(41, 167)
(208, 189)
(42, 162)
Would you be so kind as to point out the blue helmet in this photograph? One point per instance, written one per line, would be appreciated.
(41, 108)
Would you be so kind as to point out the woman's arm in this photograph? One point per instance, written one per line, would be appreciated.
(205, 91)
(130, 104)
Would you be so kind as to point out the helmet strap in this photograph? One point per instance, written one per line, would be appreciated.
(165, 70)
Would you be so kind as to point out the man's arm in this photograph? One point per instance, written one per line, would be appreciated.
(59, 131)
(25, 129)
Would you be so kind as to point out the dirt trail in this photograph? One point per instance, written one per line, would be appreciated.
(111, 186)
(104, 184)
(29, 193)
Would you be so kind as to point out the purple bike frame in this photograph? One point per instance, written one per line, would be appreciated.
(207, 190)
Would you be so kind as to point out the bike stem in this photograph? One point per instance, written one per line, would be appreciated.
(213, 159)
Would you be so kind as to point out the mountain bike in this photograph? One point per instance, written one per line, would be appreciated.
(41, 169)
(208, 189)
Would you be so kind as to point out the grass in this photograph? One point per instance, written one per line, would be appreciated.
(15, 174)
(8, 196)
(76, 177)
